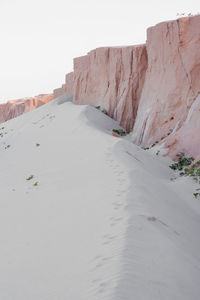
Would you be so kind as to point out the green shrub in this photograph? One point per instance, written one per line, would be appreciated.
(30, 177)
(120, 131)
(147, 148)
(103, 110)
(196, 195)
(193, 170)
(154, 144)
(182, 162)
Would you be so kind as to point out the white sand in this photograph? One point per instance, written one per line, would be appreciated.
(104, 222)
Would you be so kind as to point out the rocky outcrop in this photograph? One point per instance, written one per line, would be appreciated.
(112, 78)
(66, 88)
(14, 108)
(171, 87)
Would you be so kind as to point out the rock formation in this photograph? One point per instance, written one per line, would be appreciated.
(14, 108)
(153, 88)
(172, 85)
(113, 79)
(186, 139)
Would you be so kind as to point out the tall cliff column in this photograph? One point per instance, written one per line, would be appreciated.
(172, 81)
(113, 78)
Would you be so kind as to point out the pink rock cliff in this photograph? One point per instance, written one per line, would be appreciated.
(187, 138)
(14, 108)
(112, 78)
(171, 86)
(151, 88)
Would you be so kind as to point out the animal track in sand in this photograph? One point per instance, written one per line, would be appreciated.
(99, 261)
(108, 239)
(115, 221)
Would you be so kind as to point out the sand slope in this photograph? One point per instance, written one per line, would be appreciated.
(104, 222)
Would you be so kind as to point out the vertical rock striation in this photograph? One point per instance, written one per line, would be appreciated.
(66, 88)
(186, 139)
(113, 78)
(151, 88)
(172, 81)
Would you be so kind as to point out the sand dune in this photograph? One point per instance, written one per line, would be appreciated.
(100, 219)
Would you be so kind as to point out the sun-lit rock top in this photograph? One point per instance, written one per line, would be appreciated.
(14, 108)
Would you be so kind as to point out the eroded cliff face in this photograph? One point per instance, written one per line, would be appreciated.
(14, 108)
(186, 139)
(171, 86)
(152, 89)
(112, 78)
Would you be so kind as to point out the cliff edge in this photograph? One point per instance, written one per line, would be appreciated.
(151, 89)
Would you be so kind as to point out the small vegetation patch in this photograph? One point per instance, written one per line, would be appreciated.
(183, 161)
(193, 171)
(36, 183)
(156, 142)
(37, 145)
(103, 110)
(184, 164)
(196, 195)
(121, 132)
(30, 177)
(8, 146)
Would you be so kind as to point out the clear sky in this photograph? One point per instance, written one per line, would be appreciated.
(40, 38)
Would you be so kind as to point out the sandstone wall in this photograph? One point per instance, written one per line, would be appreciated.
(113, 79)
(171, 86)
(187, 138)
(14, 108)
(151, 88)
(59, 91)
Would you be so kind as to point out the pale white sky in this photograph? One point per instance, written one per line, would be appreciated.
(40, 38)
